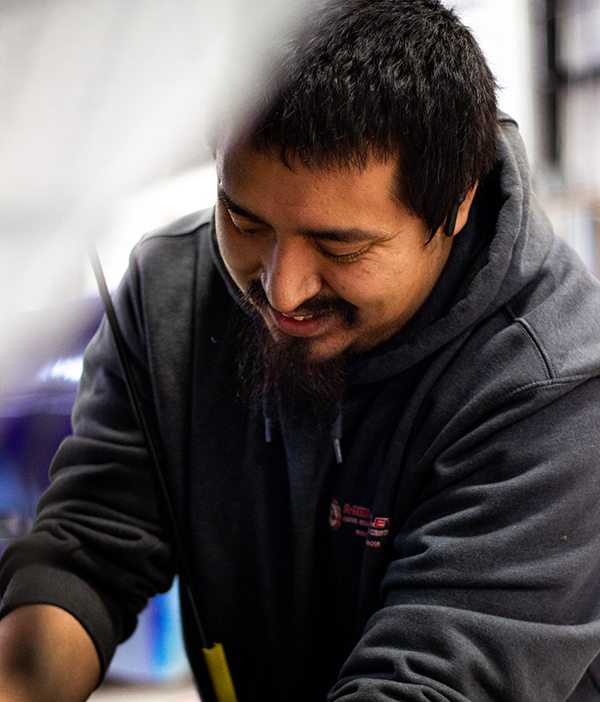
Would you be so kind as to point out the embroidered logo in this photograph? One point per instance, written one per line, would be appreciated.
(372, 529)
(335, 516)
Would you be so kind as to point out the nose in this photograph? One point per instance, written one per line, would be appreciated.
(290, 274)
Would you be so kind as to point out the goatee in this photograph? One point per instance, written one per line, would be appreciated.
(279, 373)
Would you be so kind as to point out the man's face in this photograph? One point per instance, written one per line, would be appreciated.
(326, 255)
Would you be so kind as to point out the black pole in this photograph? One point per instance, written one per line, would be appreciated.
(153, 451)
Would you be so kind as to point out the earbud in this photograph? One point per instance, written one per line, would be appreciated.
(451, 221)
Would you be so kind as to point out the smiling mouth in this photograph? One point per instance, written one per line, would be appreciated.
(298, 318)
(298, 324)
(318, 310)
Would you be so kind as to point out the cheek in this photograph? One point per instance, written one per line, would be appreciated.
(370, 286)
(382, 292)
(355, 283)
(239, 254)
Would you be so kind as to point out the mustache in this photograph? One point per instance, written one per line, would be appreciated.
(318, 305)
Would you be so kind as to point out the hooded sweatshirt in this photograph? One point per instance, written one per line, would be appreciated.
(452, 554)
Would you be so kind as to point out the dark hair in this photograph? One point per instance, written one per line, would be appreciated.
(392, 78)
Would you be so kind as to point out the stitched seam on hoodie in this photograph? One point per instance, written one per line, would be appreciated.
(573, 380)
(193, 224)
(528, 331)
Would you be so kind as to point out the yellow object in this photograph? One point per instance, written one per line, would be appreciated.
(219, 673)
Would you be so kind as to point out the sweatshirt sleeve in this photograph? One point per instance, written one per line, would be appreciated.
(492, 592)
(97, 548)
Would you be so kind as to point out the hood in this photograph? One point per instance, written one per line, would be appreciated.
(500, 249)
(497, 253)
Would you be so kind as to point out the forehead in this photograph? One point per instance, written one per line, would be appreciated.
(263, 184)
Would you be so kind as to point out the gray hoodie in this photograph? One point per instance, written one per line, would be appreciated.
(451, 556)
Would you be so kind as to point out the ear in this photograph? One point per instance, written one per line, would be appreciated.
(460, 214)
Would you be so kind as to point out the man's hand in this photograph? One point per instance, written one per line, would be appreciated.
(46, 656)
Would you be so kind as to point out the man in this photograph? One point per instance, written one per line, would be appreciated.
(374, 377)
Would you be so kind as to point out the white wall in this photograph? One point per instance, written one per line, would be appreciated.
(503, 30)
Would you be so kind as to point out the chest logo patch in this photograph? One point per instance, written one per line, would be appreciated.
(360, 519)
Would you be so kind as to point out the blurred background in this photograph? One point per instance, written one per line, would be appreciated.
(104, 107)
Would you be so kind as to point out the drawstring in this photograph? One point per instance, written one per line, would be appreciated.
(336, 435)
(336, 432)
(268, 422)
(268, 432)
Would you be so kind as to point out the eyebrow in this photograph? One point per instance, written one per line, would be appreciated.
(349, 235)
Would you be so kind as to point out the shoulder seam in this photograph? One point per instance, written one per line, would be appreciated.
(184, 226)
(528, 330)
(573, 380)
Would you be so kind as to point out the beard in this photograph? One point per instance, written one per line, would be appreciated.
(279, 372)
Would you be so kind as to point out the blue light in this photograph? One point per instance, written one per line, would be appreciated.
(68, 369)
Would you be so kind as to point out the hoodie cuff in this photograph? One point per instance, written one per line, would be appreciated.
(43, 584)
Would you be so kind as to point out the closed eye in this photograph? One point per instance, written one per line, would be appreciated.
(251, 227)
(343, 257)
(245, 226)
